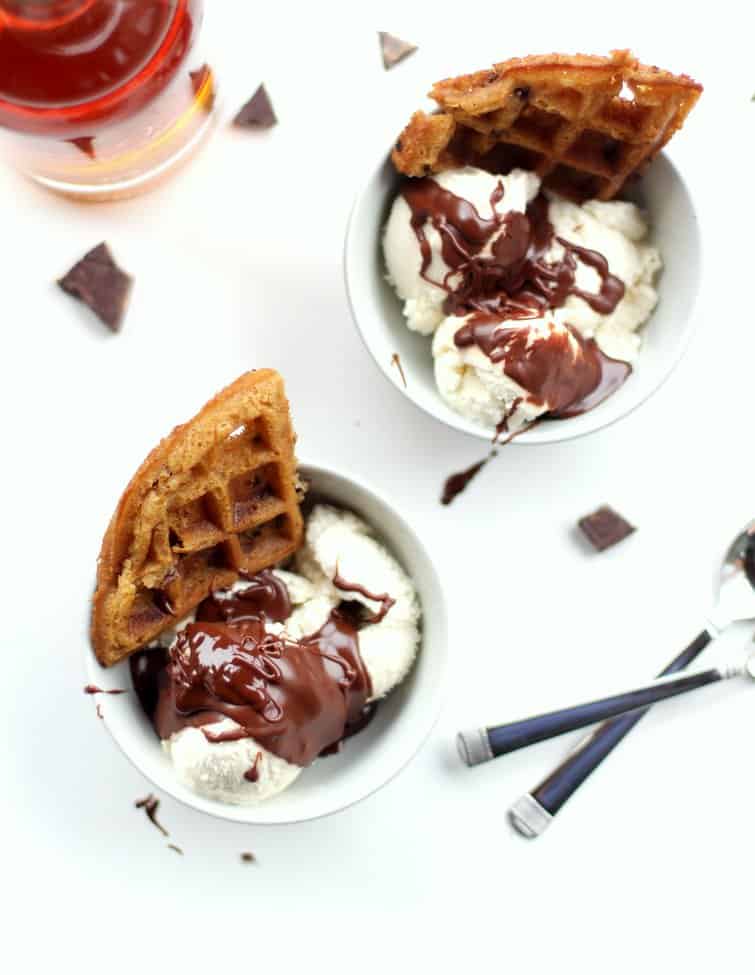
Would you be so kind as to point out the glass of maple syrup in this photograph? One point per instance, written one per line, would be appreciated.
(101, 99)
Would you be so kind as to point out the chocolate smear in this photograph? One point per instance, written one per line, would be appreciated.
(258, 111)
(457, 483)
(150, 805)
(604, 528)
(203, 86)
(98, 281)
(394, 49)
(172, 846)
(93, 689)
(85, 144)
(99, 711)
(396, 361)
(248, 858)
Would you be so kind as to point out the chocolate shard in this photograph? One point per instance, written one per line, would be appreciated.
(85, 144)
(203, 86)
(394, 49)
(258, 111)
(98, 281)
(604, 528)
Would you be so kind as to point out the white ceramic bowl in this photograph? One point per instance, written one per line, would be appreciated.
(369, 759)
(377, 310)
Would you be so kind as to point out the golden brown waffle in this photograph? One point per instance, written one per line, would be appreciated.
(215, 499)
(583, 124)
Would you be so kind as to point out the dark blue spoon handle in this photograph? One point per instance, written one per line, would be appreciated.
(510, 737)
(564, 781)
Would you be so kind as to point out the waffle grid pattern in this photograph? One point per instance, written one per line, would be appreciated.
(583, 124)
(231, 510)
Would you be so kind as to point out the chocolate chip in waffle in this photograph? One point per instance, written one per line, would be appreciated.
(216, 499)
(584, 124)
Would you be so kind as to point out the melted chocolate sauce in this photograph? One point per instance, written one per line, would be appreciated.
(93, 689)
(252, 774)
(265, 597)
(561, 368)
(511, 280)
(386, 602)
(295, 697)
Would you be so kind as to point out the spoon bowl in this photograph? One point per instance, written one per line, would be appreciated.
(736, 593)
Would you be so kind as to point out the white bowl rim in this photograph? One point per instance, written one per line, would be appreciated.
(543, 437)
(245, 814)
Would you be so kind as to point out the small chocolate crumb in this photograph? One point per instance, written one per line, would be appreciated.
(203, 86)
(258, 111)
(85, 144)
(99, 711)
(394, 49)
(604, 528)
(523, 92)
(396, 361)
(150, 805)
(98, 281)
(456, 483)
(491, 78)
(94, 689)
(248, 858)
(172, 846)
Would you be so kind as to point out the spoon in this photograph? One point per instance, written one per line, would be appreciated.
(533, 812)
(505, 738)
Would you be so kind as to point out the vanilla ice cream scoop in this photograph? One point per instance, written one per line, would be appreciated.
(563, 288)
(340, 562)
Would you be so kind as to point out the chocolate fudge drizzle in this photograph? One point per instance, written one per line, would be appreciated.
(498, 273)
(386, 602)
(296, 698)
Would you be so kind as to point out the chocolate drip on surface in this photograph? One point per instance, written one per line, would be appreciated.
(457, 483)
(150, 804)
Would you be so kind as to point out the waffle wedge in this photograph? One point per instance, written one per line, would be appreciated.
(215, 499)
(584, 124)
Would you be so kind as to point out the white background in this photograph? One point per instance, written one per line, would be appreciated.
(238, 265)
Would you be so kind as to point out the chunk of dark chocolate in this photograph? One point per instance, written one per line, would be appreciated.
(604, 528)
(394, 49)
(98, 281)
(258, 111)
